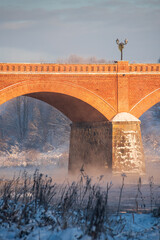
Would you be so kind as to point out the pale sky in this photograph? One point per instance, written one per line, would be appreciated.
(47, 30)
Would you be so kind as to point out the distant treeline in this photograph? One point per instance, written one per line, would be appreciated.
(31, 124)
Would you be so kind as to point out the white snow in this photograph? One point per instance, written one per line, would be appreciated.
(125, 117)
(27, 219)
(128, 226)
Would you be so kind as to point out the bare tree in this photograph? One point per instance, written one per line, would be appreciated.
(75, 59)
(21, 105)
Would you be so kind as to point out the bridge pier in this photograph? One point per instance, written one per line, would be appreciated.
(105, 146)
(91, 146)
(127, 148)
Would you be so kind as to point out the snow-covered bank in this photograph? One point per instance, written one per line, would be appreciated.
(125, 226)
(17, 157)
(35, 208)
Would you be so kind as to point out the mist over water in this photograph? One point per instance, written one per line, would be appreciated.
(35, 135)
(150, 129)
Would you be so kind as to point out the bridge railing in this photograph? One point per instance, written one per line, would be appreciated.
(75, 68)
(144, 67)
(51, 68)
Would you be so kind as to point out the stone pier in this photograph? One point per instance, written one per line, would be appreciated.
(127, 148)
(105, 146)
(91, 146)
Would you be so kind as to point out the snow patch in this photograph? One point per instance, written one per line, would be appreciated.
(125, 117)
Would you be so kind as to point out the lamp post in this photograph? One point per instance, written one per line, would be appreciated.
(121, 46)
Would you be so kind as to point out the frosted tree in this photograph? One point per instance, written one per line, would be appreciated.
(22, 108)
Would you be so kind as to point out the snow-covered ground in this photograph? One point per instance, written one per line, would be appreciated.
(32, 157)
(65, 218)
(36, 208)
(126, 226)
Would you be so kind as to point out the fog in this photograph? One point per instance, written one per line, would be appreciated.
(43, 142)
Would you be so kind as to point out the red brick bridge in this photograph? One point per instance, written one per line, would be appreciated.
(103, 101)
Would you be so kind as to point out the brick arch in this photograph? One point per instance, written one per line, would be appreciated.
(65, 88)
(147, 102)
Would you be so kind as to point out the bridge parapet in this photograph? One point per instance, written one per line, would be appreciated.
(57, 68)
(144, 67)
(117, 67)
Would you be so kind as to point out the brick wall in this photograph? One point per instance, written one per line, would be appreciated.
(109, 88)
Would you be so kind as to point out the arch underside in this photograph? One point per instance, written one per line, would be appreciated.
(147, 102)
(77, 103)
(75, 109)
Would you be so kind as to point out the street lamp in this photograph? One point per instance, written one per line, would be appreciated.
(121, 46)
